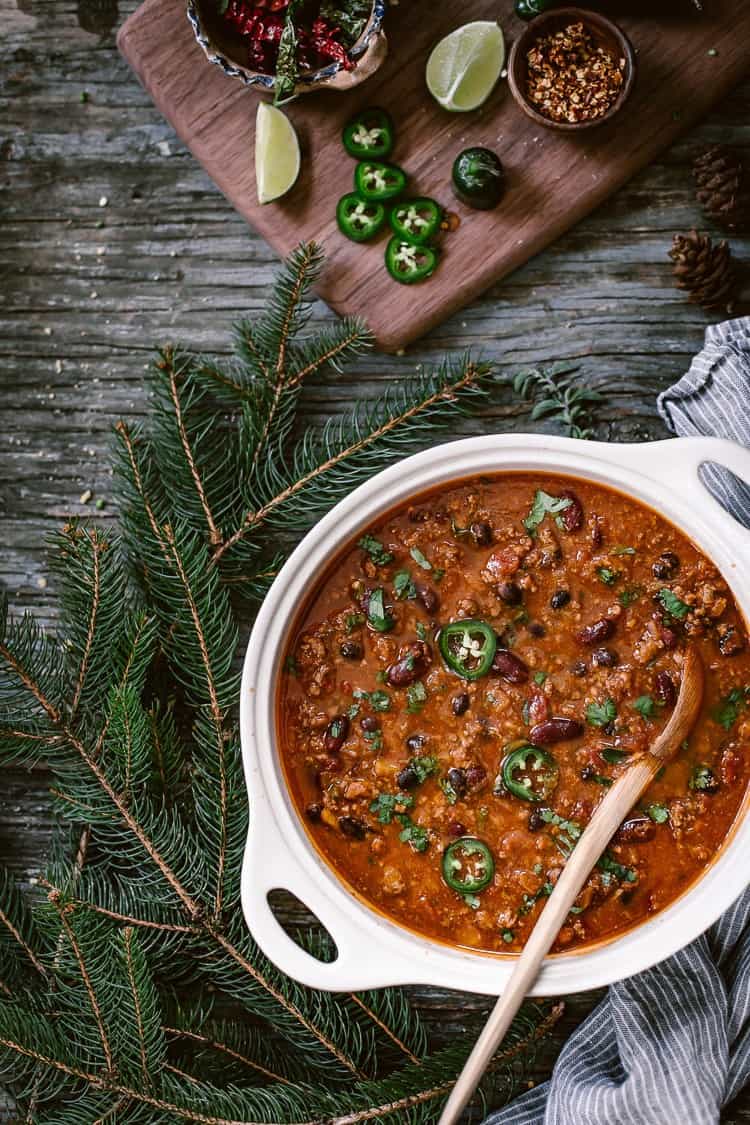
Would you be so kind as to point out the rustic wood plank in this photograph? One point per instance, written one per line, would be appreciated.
(554, 179)
(168, 258)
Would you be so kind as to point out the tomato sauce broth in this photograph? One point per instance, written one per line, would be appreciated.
(480, 666)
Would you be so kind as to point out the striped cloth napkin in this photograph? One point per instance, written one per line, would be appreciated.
(671, 1046)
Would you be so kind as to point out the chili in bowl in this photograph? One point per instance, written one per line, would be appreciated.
(466, 675)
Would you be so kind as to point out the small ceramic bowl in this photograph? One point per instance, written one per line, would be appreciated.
(227, 51)
(605, 34)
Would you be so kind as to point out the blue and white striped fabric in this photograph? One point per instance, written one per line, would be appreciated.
(671, 1046)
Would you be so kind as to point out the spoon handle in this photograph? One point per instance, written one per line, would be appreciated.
(600, 829)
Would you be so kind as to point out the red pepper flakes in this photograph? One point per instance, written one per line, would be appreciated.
(570, 79)
(261, 24)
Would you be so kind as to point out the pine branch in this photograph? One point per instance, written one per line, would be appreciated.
(558, 396)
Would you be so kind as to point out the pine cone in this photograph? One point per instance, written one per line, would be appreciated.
(723, 187)
(704, 271)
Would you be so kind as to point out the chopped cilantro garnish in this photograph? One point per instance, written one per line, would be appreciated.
(291, 666)
(543, 505)
(702, 779)
(403, 585)
(421, 630)
(612, 755)
(386, 805)
(423, 766)
(420, 559)
(623, 551)
(611, 867)
(601, 714)
(471, 901)
(508, 936)
(412, 833)
(607, 575)
(628, 596)
(377, 614)
(674, 606)
(728, 709)
(450, 793)
(353, 621)
(378, 700)
(540, 677)
(529, 901)
(375, 550)
(658, 813)
(645, 706)
(416, 697)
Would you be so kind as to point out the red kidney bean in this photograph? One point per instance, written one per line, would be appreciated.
(460, 703)
(509, 667)
(427, 597)
(457, 781)
(475, 776)
(666, 566)
(668, 637)
(635, 828)
(555, 730)
(456, 829)
(571, 517)
(413, 661)
(604, 658)
(538, 707)
(600, 630)
(665, 689)
(335, 735)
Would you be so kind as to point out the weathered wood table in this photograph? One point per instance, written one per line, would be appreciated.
(114, 239)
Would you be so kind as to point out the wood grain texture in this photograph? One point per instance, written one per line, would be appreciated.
(684, 65)
(88, 291)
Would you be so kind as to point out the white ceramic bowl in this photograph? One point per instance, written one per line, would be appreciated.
(372, 950)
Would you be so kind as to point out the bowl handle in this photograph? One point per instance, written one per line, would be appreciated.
(677, 461)
(270, 865)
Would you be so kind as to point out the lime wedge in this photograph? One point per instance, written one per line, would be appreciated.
(464, 66)
(276, 153)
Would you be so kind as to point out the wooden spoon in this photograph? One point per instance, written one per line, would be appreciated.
(603, 824)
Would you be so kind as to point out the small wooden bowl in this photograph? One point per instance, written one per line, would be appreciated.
(605, 34)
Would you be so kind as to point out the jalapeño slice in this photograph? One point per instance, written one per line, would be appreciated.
(468, 647)
(468, 865)
(369, 134)
(358, 219)
(529, 772)
(375, 181)
(409, 262)
(416, 220)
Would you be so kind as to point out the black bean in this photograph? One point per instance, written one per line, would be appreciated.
(335, 734)
(408, 778)
(350, 650)
(600, 630)
(536, 629)
(665, 690)
(666, 566)
(588, 773)
(536, 820)
(460, 703)
(731, 641)
(313, 812)
(580, 668)
(604, 658)
(555, 730)
(457, 780)
(351, 827)
(370, 724)
(481, 533)
(456, 829)
(510, 593)
(608, 729)
(416, 741)
(571, 517)
(427, 597)
(559, 599)
(509, 667)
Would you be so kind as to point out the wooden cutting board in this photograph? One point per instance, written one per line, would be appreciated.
(685, 64)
